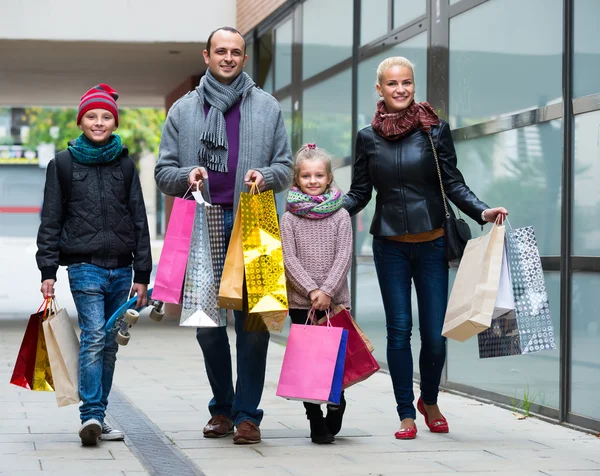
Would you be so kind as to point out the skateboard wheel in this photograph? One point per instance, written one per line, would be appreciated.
(157, 314)
(122, 339)
(131, 316)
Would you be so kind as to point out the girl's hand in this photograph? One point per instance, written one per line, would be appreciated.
(320, 301)
(491, 214)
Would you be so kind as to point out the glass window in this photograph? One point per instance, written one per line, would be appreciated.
(535, 374)
(283, 55)
(249, 68)
(585, 358)
(265, 62)
(407, 10)
(327, 115)
(323, 46)
(373, 20)
(519, 169)
(415, 49)
(586, 214)
(494, 73)
(586, 41)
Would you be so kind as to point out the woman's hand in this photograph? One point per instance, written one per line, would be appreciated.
(142, 294)
(491, 214)
(320, 301)
(47, 288)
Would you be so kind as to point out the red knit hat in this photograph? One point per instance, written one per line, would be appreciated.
(99, 97)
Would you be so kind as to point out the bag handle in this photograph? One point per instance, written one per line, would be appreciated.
(254, 190)
(313, 320)
(437, 166)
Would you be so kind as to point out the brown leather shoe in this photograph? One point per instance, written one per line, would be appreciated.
(246, 433)
(218, 427)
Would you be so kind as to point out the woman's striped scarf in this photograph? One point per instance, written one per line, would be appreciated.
(315, 207)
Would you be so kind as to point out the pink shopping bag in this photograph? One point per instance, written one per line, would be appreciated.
(313, 364)
(173, 259)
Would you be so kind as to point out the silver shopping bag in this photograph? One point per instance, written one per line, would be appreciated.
(528, 328)
(218, 249)
(199, 306)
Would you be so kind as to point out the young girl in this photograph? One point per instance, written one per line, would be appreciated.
(316, 235)
(94, 221)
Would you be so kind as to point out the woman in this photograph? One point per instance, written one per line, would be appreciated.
(395, 155)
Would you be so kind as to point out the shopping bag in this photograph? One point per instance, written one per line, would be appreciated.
(473, 297)
(528, 328)
(339, 308)
(231, 289)
(199, 307)
(32, 368)
(263, 262)
(170, 273)
(313, 364)
(63, 353)
(359, 364)
(505, 302)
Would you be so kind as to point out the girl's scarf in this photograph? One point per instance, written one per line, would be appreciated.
(315, 207)
(84, 151)
(392, 126)
(213, 152)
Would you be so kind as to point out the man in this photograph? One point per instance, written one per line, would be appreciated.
(227, 134)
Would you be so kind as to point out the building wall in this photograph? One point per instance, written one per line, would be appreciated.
(114, 20)
(251, 12)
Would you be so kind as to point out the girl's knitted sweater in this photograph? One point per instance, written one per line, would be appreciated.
(317, 255)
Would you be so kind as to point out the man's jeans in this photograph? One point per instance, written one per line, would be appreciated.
(397, 264)
(251, 364)
(98, 293)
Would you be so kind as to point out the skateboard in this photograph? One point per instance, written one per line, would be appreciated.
(127, 315)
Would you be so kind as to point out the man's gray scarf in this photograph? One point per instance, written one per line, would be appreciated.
(213, 152)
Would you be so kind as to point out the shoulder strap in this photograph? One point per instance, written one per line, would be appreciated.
(64, 164)
(128, 168)
(437, 165)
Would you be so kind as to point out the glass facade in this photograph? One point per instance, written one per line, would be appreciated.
(501, 77)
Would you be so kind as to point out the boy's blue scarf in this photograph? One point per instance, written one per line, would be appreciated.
(85, 152)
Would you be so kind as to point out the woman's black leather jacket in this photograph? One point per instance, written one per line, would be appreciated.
(404, 175)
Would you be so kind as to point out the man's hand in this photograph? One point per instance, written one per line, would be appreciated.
(47, 288)
(142, 294)
(254, 176)
(196, 176)
(320, 301)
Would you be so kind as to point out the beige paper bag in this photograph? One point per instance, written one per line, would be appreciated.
(63, 352)
(473, 297)
(231, 289)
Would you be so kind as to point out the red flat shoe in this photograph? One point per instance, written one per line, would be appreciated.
(436, 426)
(406, 433)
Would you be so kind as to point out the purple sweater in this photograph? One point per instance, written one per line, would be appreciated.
(222, 184)
(317, 255)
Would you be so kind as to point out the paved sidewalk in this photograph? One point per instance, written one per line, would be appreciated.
(161, 374)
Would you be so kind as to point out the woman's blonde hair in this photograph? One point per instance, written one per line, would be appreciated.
(393, 61)
(311, 152)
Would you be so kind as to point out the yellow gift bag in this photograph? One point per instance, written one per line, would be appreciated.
(263, 262)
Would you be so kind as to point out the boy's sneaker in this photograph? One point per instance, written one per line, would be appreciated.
(89, 432)
(110, 434)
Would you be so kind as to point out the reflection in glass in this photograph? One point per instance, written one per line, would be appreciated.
(286, 109)
(415, 49)
(586, 44)
(249, 68)
(264, 77)
(325, 43)
(327, 115)
(585, 358)
(407, 10)
(519, 169)
(373, 20)
(283, 55)
(535, 374)
(494, 73)
(586, 214)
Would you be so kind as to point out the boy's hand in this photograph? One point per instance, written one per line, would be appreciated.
(142, 294)
(47, 288)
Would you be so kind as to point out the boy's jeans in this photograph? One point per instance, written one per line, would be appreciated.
(98, 293)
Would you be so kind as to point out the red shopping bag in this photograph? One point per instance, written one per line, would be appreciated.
(313, 364)
(170, 272)
(32, 368)
(360, 363)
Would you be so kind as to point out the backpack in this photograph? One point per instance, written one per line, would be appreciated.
(64, 164)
